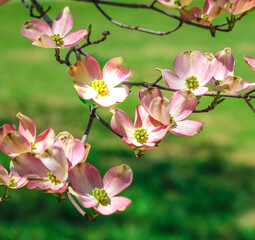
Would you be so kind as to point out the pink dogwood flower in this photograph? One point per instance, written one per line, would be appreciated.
(92, 83)
(210, 11)
(92, 192)
(236, 6)
(250, 61)
(193, 71)
(174, 3)
(14, 143)
(224, 79)
(144, 134)
(50, 168)
(172, 113)
(43, 35)
(11, 181)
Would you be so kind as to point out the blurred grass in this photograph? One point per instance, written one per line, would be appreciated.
(187, 188)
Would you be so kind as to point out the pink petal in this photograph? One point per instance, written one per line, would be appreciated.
(225, 64)
(55, 160)
(63, 22)
(4, 176)
(34, 28)
(117, 179)
(147, 95)
(250, 61)
(84, 178)
(209, 69)
(132, 143)
(187, 128)
(115, 95)
(19, 182)
(85, 71)
(47, 186)
(45, 41)
(172, 80)
(241, 6)
(212, 9)
(5, 129)
(143, 119)
(200, 91)
(118, 204)
(120, 123)
(26, 165)
(87, 201)
(43, 140)
(13, 143)
(115, 72)
(86, 92)
(182, 104)
(159, 110)
(157, 134)
(74, 38)
(189, 64)
(74, 148)
(27, 127)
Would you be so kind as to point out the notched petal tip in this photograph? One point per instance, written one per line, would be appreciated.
(71, 70)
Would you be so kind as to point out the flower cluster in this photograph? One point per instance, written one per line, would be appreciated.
(211, 9)
(56, 164)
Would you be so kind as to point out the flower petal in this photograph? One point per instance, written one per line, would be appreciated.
(4, 176)
(43, 140)
(250, 61)
(34, 28)
(172, 80)
(182, 104)
(115, 71)
(86, 92)
(225, 64)
(26, 165)
(84, 178)
(45, 41)
(5, 129)
(47, 186)
(74, 38)
(117, 179)
(117, 204)
(200, 91)
(189, 64)
(63, 22)
(55, 160)
(27, 127)
(120, 123)
(157, 134)
(18, 182)
(85, 71)
(115, 95)
(187, 128)
(87, 201)
(73, 147)
(13, 143)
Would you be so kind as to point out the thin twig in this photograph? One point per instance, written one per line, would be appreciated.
(106, 124)
(136, 27)
(91, 119)
(249, 104)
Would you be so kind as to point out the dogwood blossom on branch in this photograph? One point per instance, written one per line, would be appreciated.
(43, 35)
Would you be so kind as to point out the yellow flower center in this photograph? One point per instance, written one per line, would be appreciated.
(57, 39)
(100, 195)
(192, 83)
(12, 182)
(141, 135)
(53, 179)
(100, 87)
(218, 82)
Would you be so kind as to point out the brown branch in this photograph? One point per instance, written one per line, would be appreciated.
(152, 7)
(137, 28)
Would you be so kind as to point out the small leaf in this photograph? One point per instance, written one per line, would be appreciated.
(139, 153)
(220, 100)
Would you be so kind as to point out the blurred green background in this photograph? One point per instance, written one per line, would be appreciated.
(201, 187)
